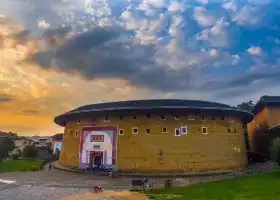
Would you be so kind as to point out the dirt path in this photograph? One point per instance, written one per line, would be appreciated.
(107, 195)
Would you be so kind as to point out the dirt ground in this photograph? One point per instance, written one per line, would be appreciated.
(107, 195)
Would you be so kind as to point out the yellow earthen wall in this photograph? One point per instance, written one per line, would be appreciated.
(217, 150)
(274, 116)
(260, 121)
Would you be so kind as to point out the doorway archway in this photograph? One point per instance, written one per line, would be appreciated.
(97, 160)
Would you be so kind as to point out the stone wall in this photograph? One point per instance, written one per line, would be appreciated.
(156, 151)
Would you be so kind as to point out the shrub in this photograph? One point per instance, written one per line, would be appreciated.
(275, 151)
(30, 151)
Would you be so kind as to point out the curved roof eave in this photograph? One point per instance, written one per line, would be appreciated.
(58, 120)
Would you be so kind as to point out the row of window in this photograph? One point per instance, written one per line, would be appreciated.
(107, 118)
(177, 131)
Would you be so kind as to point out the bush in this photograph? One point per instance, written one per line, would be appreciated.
(275, 151)
(30, 151)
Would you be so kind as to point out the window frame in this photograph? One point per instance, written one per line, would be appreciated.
(165, 129)
(229, 131)
(184, 127)
(163, 117)
(147, 131)
(177, 129)
(77, 133)
(202, 128)
(191, 117)
(135, 133)
(120, 131)
(109, 118)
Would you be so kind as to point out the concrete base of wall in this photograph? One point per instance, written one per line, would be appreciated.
(58, 166)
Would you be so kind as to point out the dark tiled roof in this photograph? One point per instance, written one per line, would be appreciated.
(147, 104)
(58, 136)
(266, 100)
(7, 135)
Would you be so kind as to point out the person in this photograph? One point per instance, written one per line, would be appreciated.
(50, 165)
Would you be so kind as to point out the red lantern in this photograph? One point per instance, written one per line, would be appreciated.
(91, 153)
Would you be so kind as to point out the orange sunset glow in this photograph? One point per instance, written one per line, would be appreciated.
(30, 97)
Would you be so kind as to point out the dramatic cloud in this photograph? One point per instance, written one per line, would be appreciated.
(5, 98)
(115, 49)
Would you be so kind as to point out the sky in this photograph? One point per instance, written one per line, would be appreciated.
(57, 55)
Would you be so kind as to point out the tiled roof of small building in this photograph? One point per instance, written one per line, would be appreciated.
(58, 136)
(7, 135)
(149, 104)
(266, 100)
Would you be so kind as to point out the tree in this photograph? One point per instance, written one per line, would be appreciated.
(247, 106)
(30, 151)
(6, 145)
(275, 151)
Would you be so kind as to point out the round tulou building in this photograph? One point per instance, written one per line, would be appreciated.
(165, 135)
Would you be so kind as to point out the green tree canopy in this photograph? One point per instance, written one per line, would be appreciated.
(6, 145)
(30, 151)
(247, 106)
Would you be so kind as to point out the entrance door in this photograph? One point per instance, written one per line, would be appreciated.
(97, 160)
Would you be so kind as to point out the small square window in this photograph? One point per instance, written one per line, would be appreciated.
(148, 116)
(120, 117)
(228, 130)
(107, 118)
(191, 117)
(134, 117)
(148, 131)
(77, 133)
(163, 117)
(177, 132)
(222, 117)
(121, 132)
(203, 118)
(204, 131)
(184, 130)
(176, 117)
(135, 130)
(213, 118)
(164, 130)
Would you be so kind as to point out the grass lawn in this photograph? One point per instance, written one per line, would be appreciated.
(264, 186)
(19, 165)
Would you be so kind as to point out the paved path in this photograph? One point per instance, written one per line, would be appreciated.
(47, 185)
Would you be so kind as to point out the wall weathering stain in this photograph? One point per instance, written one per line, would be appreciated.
(157, 139)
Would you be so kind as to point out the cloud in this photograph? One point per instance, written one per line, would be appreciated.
(215, 36)
(255, 79)
(102, 53)
(202, 17)
(248, 15)
(254, 50)
(4, 98)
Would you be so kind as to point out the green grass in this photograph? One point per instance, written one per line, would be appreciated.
(264, 186)
(19, 165)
